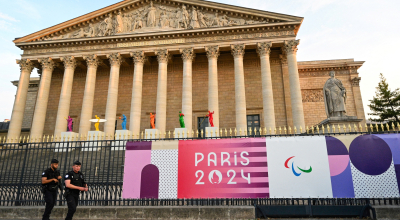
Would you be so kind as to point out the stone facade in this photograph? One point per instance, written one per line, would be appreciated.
(231, 44)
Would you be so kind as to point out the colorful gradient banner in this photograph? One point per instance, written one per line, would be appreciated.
(345, 166)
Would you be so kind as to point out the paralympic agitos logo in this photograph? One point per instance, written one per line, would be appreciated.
(293, 169)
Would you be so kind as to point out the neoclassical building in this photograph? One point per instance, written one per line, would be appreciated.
(138, 57)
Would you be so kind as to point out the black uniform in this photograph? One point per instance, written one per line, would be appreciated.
(72, 195)
(50, 191)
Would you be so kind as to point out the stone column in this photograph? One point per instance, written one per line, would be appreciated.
(39, 117)
(88, 95)
(355, 85)
(112, 97)
(161, 105)
(213, 54)
(240, 91)
(65, 96)
(264, 50)
(136, 103)
(187, 57)
(14, 131)
(294, 81)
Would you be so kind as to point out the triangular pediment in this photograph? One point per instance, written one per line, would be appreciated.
(145, 16)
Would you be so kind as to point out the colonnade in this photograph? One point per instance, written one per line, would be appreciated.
(163, 55)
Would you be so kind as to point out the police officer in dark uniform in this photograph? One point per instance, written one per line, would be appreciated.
(50, 184)
(74, 183)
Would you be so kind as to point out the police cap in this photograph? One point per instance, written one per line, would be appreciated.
(77, 163)
(54, 161)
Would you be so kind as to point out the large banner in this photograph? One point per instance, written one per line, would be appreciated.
(346, 166)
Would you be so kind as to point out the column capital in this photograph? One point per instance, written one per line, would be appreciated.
(264, 48)
(212, 51)
(115, 59)
(47, 63)
(25, 65)
(69, 62)
(92, 60)
(138, 56)
(290, 46)
(187, 54)
(237, 50)
(162, 56)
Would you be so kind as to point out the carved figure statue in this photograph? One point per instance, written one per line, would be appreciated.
(90, 33)
(215, 22)
(123, 124)
(127, 22)
(109, 26)
(185, 17)
(224, 21)
(120, 23)
(334, 97)
(69, 121)
(164, 20)
(96, 125)
(151, 16)
(195, 22)
(181, 120)
(202, 19)
(210, 118)
(152, 119)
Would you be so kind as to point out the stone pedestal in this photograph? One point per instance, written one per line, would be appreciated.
(120, 139)
(181, 133)
(66, 137)
(151, 134)
(343, 120)
(212, 132)
(94, 138)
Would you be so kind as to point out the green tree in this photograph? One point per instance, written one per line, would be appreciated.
(385, 105)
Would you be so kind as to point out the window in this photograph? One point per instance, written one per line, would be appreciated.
(253, 122)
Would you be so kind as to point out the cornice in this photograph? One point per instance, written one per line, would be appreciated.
(223, 9)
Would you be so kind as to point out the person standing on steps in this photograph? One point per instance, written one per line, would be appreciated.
(50, 182)
(74, 184)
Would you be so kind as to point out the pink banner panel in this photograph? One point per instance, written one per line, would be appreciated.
(225, 168)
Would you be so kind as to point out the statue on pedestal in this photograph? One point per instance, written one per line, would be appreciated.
(210, 118)
(123, 124)
(152, 119)
(69, 121)
(96, 125)
(334, 97)
(181, 120)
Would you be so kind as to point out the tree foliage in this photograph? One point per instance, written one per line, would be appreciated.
(385, 105)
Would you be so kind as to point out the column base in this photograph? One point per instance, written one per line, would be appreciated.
(94, 143)
(151, 134)
(66, 137)
(181, 133)
(120, 135)
(212, 132)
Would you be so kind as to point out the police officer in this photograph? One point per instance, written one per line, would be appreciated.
(50, 184)
(74, 183)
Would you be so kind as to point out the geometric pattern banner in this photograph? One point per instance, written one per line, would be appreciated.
(346, 166)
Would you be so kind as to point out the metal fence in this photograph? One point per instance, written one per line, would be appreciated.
(21, 166)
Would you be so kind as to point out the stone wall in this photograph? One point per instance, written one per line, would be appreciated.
(311, 85)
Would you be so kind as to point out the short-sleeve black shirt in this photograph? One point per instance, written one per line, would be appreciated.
(77, 179)
(51, 174)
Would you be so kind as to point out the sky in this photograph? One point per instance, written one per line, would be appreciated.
(366, 30)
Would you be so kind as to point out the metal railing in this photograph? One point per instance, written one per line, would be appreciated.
(334, 129)
(21, 166)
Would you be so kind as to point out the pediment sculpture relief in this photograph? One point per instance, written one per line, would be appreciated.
(153, 18)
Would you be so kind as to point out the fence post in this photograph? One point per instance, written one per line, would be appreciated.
(108, 177)
(62, 176)
(18, 203)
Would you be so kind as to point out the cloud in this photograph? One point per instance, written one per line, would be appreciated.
(7, 26)
(28, 9)
(7, 17)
